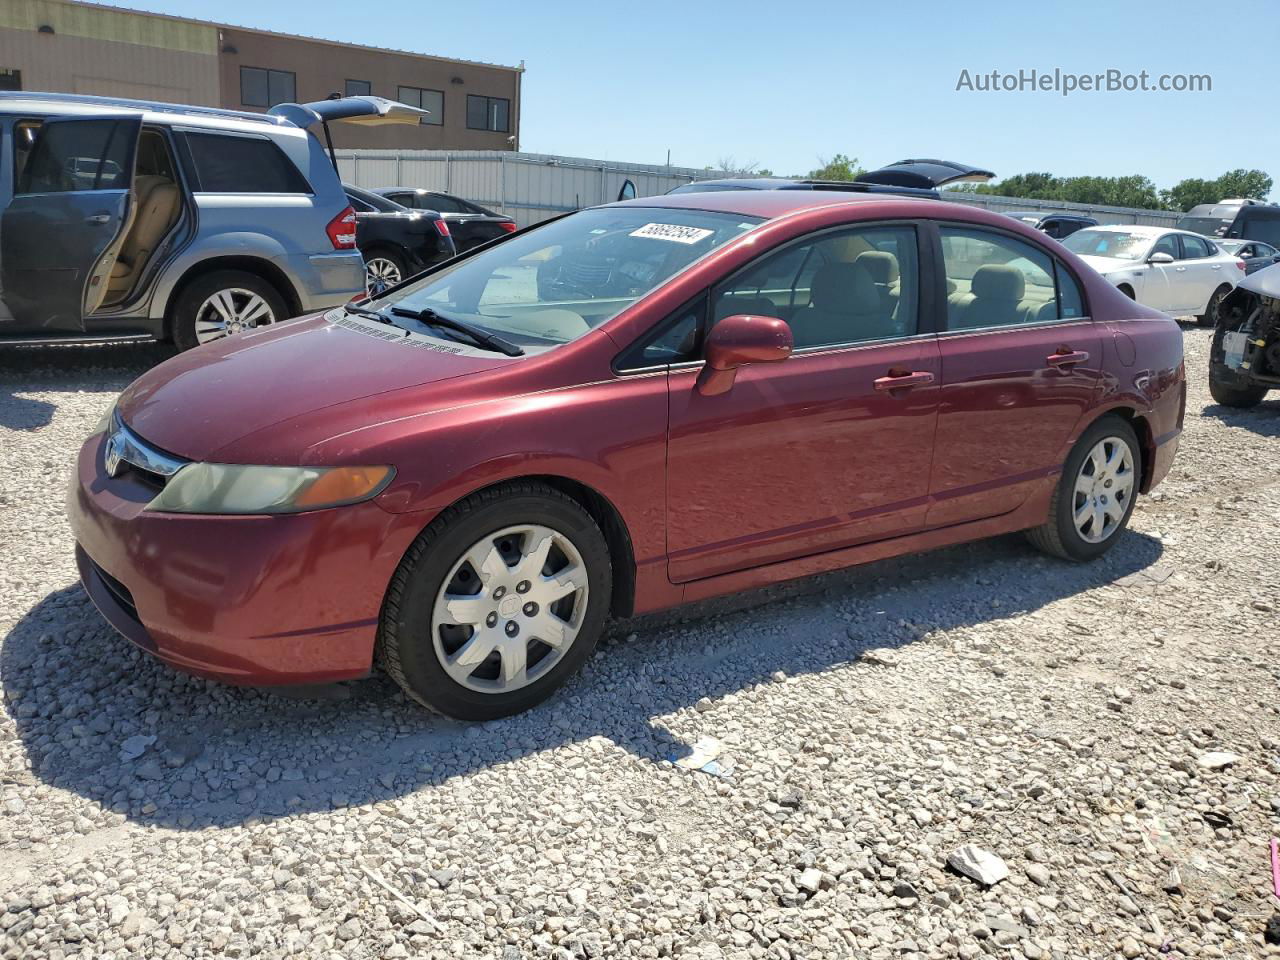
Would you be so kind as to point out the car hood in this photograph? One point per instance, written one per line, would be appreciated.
(1264, 282)
(201, 401)
(1109, 264)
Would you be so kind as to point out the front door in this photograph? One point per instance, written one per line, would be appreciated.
(71, 208)
(1161, 287)
(828, 448)
(1021, 362)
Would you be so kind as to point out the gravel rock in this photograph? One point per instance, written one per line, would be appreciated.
(978, 864)
(246, 823)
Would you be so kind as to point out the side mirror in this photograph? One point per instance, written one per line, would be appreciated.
(1159, 258)
(738, 340)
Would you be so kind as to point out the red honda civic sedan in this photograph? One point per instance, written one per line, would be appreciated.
(627, 408)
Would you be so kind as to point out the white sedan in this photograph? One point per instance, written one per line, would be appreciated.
(1181, 273)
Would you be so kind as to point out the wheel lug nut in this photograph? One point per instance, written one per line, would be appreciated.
(522, 586)
(491, 620)
(512, 628)
(530, 609)
(499, 592)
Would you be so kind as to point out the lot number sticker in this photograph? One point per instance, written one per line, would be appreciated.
(673, 232)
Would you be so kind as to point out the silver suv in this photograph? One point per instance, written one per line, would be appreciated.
(139, 220)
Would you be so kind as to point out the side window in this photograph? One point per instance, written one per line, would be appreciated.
(441, 203)
(84, 155)
(995, 280)
(1167, 244)
(404, 199)
(24, 138)
(1070, 298)
(243, 165)
(359, 205)
(1193, 248)
(675, 340)
(842, 287)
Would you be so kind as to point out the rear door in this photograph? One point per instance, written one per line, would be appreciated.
(1021, 362)
(71, 208)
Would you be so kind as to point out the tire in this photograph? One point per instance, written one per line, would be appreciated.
(383, 268)
(195, 314)
(1225, 385)
(1127, 291)
(1060, 536)
(424, 653)
(1210, 316)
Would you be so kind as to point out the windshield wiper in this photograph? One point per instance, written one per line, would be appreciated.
(480, 336)
(366, 312)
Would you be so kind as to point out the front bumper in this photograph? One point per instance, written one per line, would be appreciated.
(251, 600)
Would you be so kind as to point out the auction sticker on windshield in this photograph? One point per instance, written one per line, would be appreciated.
(673, 232)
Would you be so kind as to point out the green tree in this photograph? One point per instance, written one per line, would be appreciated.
(1185, 194)
(839, 167)
(1191, 192)
(1253, 184)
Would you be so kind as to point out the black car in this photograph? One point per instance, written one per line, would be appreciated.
(1056, 225)
(470, 223)
(911, 177)
(1234, 220)
(396, 242)
(1254, 253)
(1244, 361)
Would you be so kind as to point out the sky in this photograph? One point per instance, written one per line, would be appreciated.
(787, 85)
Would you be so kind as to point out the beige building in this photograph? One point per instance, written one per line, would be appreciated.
(69, 47)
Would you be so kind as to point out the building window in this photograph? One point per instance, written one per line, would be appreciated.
(488, 113)
(431, 101)
(359, 88)
(266, 88)
(10, 79)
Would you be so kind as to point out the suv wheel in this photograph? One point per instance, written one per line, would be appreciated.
(497, 603)
(223, 303)
(1096, 494)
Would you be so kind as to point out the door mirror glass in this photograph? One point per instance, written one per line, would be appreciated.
(1160, 258)
(739, 340)
(628, 191)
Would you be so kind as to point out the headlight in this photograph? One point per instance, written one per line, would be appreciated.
(223, 488)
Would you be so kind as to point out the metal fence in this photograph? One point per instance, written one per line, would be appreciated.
(533, 186)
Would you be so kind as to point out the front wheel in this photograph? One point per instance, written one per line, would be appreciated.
(497, 603)
(1095, 496)
(1227, 386)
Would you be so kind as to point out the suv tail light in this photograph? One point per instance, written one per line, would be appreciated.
(508, 226)
(342, 230)
(442, 228)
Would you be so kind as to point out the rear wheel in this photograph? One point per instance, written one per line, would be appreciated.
(1095, 496)
(1210, 315)
(497, 603)
(382, 269)
(221, 304)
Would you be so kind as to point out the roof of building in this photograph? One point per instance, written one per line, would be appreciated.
(289, 36)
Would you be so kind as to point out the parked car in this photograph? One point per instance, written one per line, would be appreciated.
(171, 222)
(470, 223)
(396, 242)
(919, 177)
(1056, 225)
(1238, 219)
(1244, 360)
(1255, 254)
(751, 386)
(1180, 273)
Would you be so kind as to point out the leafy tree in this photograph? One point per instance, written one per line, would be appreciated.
(1245, 183)
(839, 167)
(1188, 193)
(1185, 194)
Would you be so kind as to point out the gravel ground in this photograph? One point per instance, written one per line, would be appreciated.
(1062, 718)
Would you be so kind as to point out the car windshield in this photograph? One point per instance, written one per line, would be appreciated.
(1108, 243)
(553, 284)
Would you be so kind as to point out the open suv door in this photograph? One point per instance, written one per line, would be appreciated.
(71, 208)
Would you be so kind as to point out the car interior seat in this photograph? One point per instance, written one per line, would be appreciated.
(845, 306)
(883, 267)
(157, 202)
(995, 299)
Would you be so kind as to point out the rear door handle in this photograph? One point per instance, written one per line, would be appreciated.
(1067, 358)
(98, 218)
(903, 381)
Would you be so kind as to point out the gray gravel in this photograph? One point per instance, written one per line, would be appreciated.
(872, 723)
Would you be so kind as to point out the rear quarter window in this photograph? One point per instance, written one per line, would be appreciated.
(234, 164)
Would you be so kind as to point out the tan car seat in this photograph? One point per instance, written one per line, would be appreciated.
(996, 300)
(157, 204)
(844, 307)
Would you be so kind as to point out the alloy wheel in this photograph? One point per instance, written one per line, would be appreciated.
(379, 274)
(1103, 490)
(510, 609)
(230, 311)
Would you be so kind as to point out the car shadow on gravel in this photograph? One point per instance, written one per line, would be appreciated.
(1264, 419)
(84, 702)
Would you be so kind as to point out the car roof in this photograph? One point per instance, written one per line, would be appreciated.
(1140, 229)
(68, 104)
(766, 204)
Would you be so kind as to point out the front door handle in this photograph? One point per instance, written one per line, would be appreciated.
(1066, 358)
(98, 218)
(1181, 269)
(903, 381)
